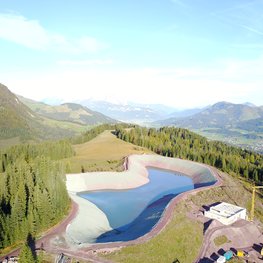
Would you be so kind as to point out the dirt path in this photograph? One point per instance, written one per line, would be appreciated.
(208, 235)
(253, 238)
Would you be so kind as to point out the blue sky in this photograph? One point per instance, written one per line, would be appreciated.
(183, 53)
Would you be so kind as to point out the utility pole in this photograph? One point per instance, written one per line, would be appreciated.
(252, 212)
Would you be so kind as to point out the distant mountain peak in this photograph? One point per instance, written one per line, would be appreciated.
(225, 103)
(222, 116)
(70, 111)
(222, 103)
(129, 111)
(249, 104)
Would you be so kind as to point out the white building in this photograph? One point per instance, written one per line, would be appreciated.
(226, 213)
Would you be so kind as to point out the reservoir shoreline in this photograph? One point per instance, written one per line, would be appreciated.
(135, 175)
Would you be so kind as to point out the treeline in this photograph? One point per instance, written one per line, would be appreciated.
(33, 196)
(94, 132)
(54, 150)
(178, 142)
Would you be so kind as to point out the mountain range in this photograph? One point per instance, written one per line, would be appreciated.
(71, 112)
(26, 120)
(219, 115)
(240, 124)
(130, 112)
(137, 113)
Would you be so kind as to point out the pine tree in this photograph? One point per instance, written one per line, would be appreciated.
(26, 255)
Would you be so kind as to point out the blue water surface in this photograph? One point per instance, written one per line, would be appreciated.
(133, 213)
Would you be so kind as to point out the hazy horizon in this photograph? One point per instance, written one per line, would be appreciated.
(179, 53)
(58, 101)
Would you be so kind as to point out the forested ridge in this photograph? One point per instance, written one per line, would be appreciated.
(92, 133)
(33, 194)
(178, 142)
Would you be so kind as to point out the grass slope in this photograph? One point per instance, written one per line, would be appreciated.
(181, 240)
(18, 123)
(74, 127)
(103, 153)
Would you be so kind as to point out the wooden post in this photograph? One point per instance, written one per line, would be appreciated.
(253, 204)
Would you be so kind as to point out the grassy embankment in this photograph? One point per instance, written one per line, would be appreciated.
(103, 153)
(183, 236)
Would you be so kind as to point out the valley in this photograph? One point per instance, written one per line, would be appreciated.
(240, 138)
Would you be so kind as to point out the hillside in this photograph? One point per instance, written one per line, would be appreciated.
(19, 123)
(240, 124)
(220, 115)
(15, 117)
(104, 152)
(70, 112)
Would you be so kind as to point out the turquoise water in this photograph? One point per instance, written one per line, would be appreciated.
(134, 212)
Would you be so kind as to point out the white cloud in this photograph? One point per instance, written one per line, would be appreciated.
(253, 30)
(31, 34)
(25, 32)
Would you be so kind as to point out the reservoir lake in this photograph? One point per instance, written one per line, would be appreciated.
(134, 212)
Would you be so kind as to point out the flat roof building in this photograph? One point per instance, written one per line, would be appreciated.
(226, 213)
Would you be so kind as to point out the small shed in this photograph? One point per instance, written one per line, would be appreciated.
(226, 213)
